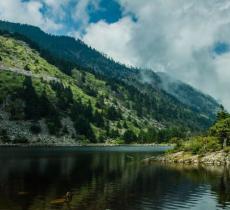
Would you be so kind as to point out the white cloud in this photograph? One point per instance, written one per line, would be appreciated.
(81, 14)
(27, 12)
(56, 7)
(175, 36)
(222, 66)
(113, 39)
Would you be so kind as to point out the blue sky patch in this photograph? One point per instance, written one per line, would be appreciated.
(221, 48)
(110, 11)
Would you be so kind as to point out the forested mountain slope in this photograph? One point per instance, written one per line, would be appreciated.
(188, 95)
(57, 86)
(67, 53)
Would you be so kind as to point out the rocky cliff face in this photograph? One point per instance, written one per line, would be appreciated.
(18, 132)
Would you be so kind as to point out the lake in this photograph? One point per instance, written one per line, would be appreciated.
(106, 178)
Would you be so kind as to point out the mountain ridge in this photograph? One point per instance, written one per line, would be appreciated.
(179, 90)
(119, 71)
(142, 104)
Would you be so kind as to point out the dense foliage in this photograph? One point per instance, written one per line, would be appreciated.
(217, 137)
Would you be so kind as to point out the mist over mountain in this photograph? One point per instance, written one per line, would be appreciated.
(187, 94)
(188, 40)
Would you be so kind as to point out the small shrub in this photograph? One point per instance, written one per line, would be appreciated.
(54, 127)
(3, 132)
(4, 137)
(212, 144)
(114, 113)
(227, 149)
(65, 130)
(201, 145)
(35, 129)
(27, 67)
(129, 136)
(119, 141)
(21, 140)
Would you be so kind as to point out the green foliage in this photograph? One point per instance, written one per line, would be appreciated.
(125, 124)
(20, 140)
(218, 136)
(201, 145)
(35, 129)
(4, 137)
(221, 130)
(152, 135)
(114, 133)
(83, 127)
(129, 136)
(148, 136)
(27, 67)
(54, 124)
(114, 113)
(227, 149)
(98, 119)
(9, 84)
(64, 95)
(32, 101)
(222, 114)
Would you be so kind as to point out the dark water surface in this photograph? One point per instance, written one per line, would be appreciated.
(106, 178)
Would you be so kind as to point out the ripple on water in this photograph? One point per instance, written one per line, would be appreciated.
(106, 180)
(199, 198)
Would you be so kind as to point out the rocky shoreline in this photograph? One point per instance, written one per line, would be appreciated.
(83, 145)
(219, 158)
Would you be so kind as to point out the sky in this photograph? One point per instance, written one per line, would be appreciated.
(188, 39)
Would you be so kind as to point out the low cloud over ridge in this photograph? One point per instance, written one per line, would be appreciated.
(177, 37)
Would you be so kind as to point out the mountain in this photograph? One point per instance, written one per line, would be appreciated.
(188, 95)
(58, 90)
(62, 48)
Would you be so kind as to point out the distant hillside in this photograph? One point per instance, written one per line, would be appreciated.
(60, 87)
(188, 95)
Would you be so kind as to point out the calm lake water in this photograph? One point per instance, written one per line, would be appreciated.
(106, 178)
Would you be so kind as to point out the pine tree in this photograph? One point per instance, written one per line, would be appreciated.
(129, 136)
(113, 113)
(98, 119)
(222, 114)
(31, 100)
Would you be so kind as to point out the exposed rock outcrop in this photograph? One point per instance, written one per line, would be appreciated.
(213, 158)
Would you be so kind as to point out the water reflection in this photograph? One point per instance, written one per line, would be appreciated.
(106, 180)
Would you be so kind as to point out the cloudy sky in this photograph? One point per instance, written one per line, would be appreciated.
(189, 39)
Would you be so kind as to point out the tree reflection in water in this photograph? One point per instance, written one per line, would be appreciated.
(106, 180)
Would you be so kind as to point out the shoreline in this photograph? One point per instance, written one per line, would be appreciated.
(218, 158)
(85, 145)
